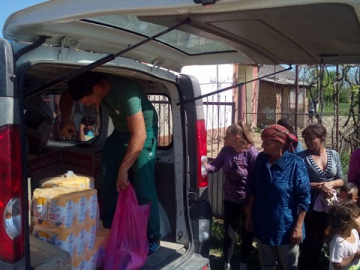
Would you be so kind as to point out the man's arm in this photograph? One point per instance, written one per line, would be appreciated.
(67, 126)
(137, 130)
(82, 133)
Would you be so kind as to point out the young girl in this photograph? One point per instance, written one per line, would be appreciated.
(344, 246)
(349, 192)
(237, 159)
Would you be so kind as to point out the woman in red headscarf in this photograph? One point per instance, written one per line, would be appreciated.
(280, 197)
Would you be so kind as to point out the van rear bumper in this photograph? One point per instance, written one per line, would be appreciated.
(194, 262)
(16, 266)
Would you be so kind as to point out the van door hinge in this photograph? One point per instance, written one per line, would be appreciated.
(67, 45)
(12, 77)
(192, 196)
(157, 63)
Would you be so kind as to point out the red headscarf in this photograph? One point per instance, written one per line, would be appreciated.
(280, 134)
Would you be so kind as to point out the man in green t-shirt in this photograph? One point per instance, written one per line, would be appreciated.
(131, 148)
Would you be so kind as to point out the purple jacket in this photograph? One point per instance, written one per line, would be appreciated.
(238, 170)
(354, 168)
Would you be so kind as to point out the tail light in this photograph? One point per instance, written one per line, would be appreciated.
(201, 145)
(11, 230)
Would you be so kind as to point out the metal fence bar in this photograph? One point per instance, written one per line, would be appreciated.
(162, 106)
(218, 124)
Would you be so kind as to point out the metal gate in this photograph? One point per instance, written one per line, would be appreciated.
(218, 116)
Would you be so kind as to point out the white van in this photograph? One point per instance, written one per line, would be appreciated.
(148, 41)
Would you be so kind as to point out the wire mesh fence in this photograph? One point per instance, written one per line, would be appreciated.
(341, 132)
(218, 116)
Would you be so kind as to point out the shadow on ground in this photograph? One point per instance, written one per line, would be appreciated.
(216, 254)
(216, 258)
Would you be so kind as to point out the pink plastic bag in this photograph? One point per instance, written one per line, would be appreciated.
(128, 245)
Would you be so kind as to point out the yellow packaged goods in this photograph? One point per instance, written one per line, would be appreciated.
(92, 204)
(85, 236)
(62, 238)
(90, 258)
(82, 205)
(86, 203)
(80, 235)
(39, 209)
(68, 179)
(90, 228)
(101, 240)
(59, 203)
(79, 262)
(64, 207)
(86, 261)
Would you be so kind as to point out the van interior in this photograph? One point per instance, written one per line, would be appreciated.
(50, 155)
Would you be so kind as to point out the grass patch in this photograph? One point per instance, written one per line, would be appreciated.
(216, 249)
(345, 160)
(343, 108)
(216, 252)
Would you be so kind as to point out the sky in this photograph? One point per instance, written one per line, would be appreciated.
(10, 6)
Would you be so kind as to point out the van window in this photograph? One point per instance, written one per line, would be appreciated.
(185, 42)
(163, 108)
(84, 117)
(90, 116)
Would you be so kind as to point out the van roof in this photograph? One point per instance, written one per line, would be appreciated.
(228, 31)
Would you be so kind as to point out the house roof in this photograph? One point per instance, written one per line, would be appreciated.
(287, 77)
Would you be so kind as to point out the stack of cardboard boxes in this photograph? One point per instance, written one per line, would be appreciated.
(65, 213)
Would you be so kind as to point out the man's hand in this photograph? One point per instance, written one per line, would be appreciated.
(122, 180)
(67, 130)
(296, 235)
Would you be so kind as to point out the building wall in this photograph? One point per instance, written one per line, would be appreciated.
(269, 103)
(288, 107)
(254, 97)
(246, 96)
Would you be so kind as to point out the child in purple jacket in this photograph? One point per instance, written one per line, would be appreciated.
(237, 159)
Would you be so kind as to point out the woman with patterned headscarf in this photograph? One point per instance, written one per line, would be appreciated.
(280, 197)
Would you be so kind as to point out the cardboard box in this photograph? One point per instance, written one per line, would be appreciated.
(45, 165)
(83, 161)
